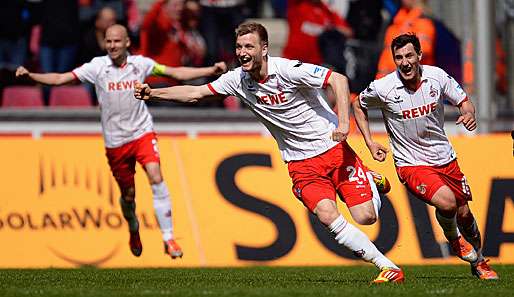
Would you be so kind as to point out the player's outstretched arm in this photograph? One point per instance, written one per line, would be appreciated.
(467, 117)
(54, 79)
(185, 94)
(339, 85)
(187, 73)
(378, 151)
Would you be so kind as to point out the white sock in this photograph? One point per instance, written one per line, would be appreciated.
(129, 213)
(162, 207)
(357, 242)
(377, 201)
(449, 226)
(472, 235)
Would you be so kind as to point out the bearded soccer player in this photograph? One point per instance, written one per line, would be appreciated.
(127, 125)
(285, 96)
(411, 101)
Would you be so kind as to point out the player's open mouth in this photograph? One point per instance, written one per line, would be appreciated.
(244, 60)
(406, 70)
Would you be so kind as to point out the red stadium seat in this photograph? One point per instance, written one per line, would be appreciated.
(70, 96)
(22, 97)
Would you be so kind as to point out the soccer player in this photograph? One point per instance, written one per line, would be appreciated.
(411, 101)
(285, 96)
(127, 125)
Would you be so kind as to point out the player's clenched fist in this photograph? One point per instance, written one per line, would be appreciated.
(142, 91)
(21, 71)
(220, 68)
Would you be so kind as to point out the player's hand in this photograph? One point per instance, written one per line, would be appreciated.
(468, 120)
(340, 134)
(142, 91)
(378, 151)
(219, 68)
(21, 71)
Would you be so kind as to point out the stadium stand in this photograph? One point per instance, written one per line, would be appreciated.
(70, 97)
(22, 97)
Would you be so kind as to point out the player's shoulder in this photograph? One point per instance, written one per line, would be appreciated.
(433, 72)
(101, 60)
(136, 59)
(384, 84)
(236, 74)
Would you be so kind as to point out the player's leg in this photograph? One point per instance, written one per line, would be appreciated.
(128, 208)
(426, 184)
(466, 222)
(469, 229)
(356, 187)
(122, 165)
(162, 208)
(148, 156)
(313, 186)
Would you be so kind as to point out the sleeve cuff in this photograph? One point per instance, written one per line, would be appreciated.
(212, 89)
(462, 101)
(325, 82)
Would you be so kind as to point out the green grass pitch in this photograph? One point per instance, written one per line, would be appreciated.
(252, 281)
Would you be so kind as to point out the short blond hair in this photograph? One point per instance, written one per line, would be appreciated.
(253, 27)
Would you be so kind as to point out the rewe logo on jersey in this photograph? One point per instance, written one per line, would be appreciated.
(272, 99)
(419, 111)
(121, 85)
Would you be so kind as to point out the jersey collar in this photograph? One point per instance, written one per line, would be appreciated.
(399, 84)
(272, 71)
(129, 60)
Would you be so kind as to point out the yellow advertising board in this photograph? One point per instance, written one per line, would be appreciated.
(232, 206)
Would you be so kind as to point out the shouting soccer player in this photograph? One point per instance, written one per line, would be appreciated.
(285, 96)
(127, 125)
(411, 100)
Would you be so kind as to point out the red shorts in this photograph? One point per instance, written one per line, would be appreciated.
(424, 181)
(122, 160)
(338, 170)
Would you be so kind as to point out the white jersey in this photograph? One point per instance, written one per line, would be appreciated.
(289, 103)
(123, 117)
(415, 119)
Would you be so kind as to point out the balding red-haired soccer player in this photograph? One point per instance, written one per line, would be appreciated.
(411, 101)
(285, 96)
(127, 125)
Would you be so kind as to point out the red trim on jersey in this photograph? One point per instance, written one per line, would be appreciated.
(123, 65)
(325, 82)
(212, 89)
(463, 100)
(264, 79)
(75, 75)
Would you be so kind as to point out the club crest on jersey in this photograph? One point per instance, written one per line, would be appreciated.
(135, 71)
(422, 189)
(433, 92)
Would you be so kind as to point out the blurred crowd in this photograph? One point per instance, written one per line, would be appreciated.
(351, 36)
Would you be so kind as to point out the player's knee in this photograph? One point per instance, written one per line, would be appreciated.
(327, 212)
(156, 179)
(444, 200)
(464, 215)
(128, 194)
(367, 217)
